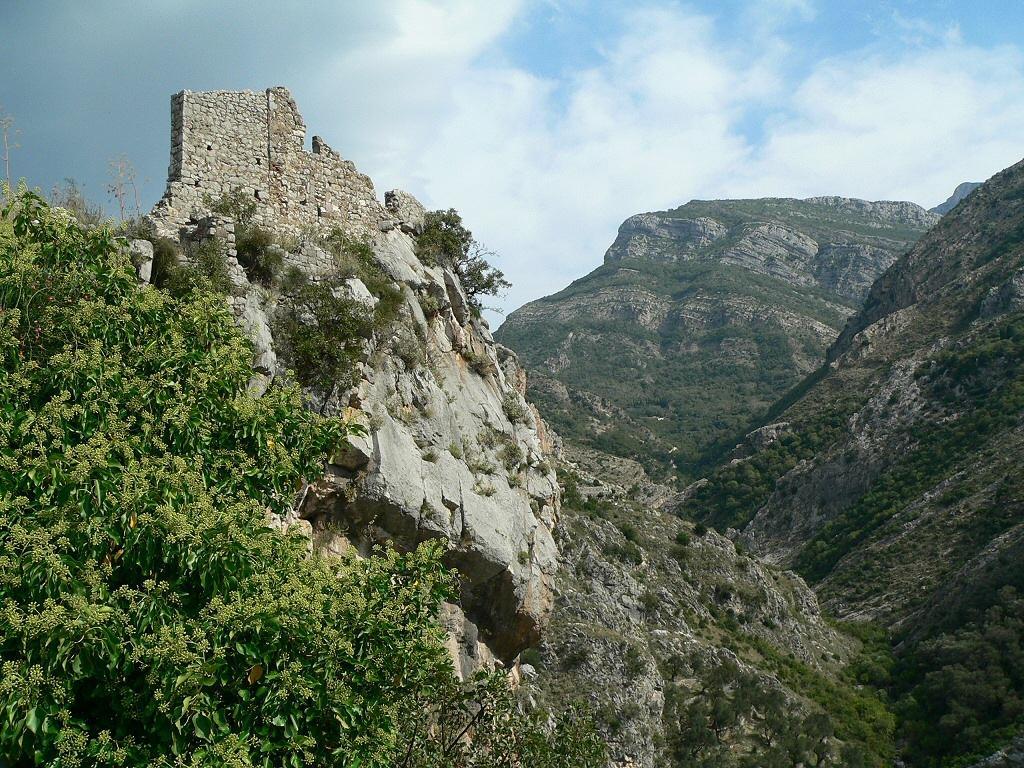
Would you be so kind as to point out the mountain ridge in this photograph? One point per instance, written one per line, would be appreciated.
(892, 482)
(746, 294)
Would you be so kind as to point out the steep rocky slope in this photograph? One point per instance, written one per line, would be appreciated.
(891, 479)
(452, 450)
(701, 317)
(672, 633)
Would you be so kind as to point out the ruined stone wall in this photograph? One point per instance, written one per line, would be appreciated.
(255, 142)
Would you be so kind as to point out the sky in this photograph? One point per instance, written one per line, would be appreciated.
(546, 123)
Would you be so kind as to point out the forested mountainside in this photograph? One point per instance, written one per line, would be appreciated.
(891, 478)
(700, 318)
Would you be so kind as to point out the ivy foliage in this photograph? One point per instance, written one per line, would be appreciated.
(148, 614)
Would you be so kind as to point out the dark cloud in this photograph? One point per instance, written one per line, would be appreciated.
(89, 81)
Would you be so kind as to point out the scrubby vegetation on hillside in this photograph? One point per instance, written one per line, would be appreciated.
(651, 602)
(685, 390)
(148, 614)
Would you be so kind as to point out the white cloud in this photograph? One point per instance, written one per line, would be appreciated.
(543, 155)
(545, 167)
(905, 127)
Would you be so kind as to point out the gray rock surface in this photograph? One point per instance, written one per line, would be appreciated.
(452, 451)
(141, 252)
(407, 210)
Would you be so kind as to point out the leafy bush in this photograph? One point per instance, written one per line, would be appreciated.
(513, 407)
(148, 610)
(234, 204)
(165, 261)
(150, 617)
(258, 254)
(208, 260)
(354, 258)
(963, 690)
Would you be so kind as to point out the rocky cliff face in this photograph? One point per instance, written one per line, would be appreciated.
(894, 485)
(700, 317)
(655, 619)
(452, 452)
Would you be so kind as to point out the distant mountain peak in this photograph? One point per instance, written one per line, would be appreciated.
(962, 190)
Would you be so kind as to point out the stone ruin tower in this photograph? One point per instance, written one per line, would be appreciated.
(255, 142)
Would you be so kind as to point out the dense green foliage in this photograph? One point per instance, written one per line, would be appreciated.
(702, 729)
(964, 689)
(445, 241)
(148, 614)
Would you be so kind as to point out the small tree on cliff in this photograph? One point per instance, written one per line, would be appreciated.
(446, 241)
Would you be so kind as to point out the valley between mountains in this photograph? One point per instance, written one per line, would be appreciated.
(758, 394)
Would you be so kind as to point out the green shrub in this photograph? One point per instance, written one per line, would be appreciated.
(293, 279)
(354, 258)
(532, 657)
(258, 254)
(511, 455)
(150, 616)
(321, 333)
(650, 602)
(165, 261)
(634, 662)
(630, 532)
(207, 267)
(513, 407)
(445, 241)
(234, 204)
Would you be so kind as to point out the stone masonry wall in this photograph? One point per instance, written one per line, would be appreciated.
(222, 140)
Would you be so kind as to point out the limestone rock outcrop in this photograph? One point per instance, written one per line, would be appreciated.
(452, 450)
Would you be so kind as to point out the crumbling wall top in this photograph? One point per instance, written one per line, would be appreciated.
(255, 142)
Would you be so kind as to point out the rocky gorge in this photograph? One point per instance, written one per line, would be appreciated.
(776, 521)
